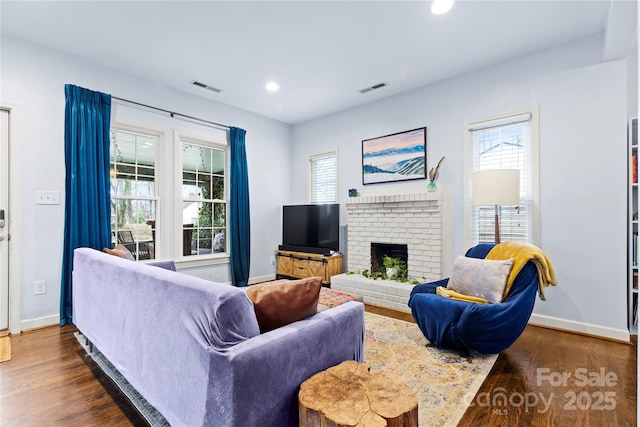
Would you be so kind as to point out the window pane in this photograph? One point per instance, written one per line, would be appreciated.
(323, 178)
(218, 188)
(133, 225)
(146, 173)
(202, 183)
(190, 213)
(504, 146)
(189, 186)
(219, 215)
(218, 162)
(204, 159)
(190, 158)
(133, 207)
(219, 241)
(202, 230)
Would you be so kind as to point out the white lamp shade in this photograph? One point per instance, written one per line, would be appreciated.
(496, 187)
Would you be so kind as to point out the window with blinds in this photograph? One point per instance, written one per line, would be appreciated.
(323, 177)
(504, 143)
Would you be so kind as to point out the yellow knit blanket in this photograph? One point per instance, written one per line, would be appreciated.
(448, 293)
(521, 254)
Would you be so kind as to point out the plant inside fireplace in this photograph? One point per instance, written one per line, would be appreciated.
(395, 268)
(383, 275)
(374, 275)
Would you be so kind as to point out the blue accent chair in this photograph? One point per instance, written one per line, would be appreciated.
(464, 326)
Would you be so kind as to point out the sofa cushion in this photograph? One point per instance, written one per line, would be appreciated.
(279, 304)
(120, 251)
(480, 277)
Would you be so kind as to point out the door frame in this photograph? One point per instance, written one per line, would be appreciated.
(4, 204)
(13, 226)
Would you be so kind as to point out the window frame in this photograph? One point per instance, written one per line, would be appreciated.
(310, 158)
(204, 259)
(160, 186)
(535, 171)
(168, 194)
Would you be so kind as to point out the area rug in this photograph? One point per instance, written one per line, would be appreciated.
(148, 412)
(5, 348)
(443, 381)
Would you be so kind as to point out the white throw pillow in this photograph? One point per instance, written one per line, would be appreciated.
(480, 277)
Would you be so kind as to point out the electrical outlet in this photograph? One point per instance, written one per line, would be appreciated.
(40, 287)
(273, 260)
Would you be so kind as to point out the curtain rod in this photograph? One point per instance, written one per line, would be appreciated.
(171, 113)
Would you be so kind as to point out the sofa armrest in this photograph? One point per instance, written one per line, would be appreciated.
(267, 370)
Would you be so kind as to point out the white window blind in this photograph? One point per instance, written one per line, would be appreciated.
(504, 143)
(323, 178)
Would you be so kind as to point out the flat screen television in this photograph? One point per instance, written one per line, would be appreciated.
(311, 228)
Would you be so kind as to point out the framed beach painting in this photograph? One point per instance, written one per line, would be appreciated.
(400, 156)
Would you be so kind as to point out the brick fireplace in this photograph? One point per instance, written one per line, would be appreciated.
(421, 221)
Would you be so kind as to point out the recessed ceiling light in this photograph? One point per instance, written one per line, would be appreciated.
(272, 87)
(439, 7)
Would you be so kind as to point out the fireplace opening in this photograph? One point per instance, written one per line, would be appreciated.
(379, 250)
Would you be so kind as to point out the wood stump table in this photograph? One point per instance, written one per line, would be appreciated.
(349, 395)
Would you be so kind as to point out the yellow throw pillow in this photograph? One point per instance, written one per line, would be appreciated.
(120, 251)
(282, 303)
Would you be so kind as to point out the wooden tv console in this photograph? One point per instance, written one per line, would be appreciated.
(299, 265)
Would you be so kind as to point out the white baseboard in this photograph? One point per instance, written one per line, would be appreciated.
(257, 279)
(40, 322)
(260, 279)
(580, 327)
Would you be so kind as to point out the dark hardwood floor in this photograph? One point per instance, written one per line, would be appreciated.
(51, 382)
(554, 378)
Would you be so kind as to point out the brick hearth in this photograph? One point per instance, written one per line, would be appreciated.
(385, 293)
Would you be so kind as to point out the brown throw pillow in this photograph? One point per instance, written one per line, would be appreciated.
(120, 251)
(279, 304)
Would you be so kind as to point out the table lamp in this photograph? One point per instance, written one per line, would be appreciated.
(498, 187)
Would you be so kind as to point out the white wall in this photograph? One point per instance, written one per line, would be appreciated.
(33, 79)
(583, 114)
(632, 83)
(583, 111)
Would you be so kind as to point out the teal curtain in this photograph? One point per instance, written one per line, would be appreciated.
(239, 222)
(87, 218)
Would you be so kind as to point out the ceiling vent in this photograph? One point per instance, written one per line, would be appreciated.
(206, 86)
(374, 87)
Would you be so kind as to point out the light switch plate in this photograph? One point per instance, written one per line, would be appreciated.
(40, 287)
(47, 197)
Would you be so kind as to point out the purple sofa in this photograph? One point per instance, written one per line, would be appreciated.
(192, 348)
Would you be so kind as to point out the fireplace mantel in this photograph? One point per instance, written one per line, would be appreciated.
(395, 198)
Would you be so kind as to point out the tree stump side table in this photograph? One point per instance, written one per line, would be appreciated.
(349, 395)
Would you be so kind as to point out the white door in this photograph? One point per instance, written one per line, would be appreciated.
(4, 219)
